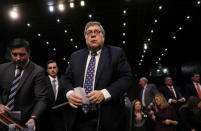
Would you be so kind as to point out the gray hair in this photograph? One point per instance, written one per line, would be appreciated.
(93, 23)
(144, 79)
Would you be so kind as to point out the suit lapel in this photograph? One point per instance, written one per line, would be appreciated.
(102, 60)
(26, 73)
(83, 61)
(11, 74)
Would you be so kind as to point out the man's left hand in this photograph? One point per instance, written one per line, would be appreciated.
(95, 97)
(31, 121)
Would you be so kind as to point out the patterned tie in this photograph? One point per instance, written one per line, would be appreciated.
(172, 90)
(54, 87)
(13, 88)
(89, 80)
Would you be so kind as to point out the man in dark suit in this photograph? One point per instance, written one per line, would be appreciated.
(30, 96)
(56, 96)
(148, 92)
(194, 88)
(110, 75)
(172, 93)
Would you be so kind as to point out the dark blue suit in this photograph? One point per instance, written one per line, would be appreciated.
(113, 73)
(190, 90)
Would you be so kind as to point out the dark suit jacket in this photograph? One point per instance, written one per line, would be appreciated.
(55, 119)
(113, 73)
(169, 95)
(31, 97)
(190, 90)
(150, 92)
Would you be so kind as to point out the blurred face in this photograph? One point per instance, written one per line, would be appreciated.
(158, 101)
(142, 82)
(138, 106)
(196, 78)
(52, 69)
(168, 81)
(20, 56)
(94, 38)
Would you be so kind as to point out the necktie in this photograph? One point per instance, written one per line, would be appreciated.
(54, 87)
(172, 90)
(198, 90)
(13, 89)
(89, 80)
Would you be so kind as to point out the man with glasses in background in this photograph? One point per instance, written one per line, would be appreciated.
(105, 75)
(23, 84)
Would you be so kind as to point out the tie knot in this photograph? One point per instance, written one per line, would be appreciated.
(20, 68)
(54, 80)
(93, 54)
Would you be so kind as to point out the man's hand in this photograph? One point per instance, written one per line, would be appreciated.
(181, 100)
(75, 100)
(3, 108)
(31, 121)
(174, 101)
(167, 122)
(95, 97)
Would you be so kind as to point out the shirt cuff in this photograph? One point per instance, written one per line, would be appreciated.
(68, 93)
(170, 101)
(106, 94)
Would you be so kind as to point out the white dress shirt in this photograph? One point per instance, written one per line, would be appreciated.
(106, 94)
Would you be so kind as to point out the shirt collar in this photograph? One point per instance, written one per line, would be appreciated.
(51, 78)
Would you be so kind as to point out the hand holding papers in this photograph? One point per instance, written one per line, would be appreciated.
(81, 92)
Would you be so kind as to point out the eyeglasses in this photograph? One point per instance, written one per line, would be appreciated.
(20, 54)
(90, 32)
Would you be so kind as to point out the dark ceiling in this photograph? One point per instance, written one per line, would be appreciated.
(139, 20)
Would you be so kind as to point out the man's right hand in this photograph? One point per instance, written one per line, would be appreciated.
(74, 100)
(3, 108)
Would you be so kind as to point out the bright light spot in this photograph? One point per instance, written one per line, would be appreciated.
(155, 21)
(39, 34)
(149, 39)
(76, 46)
(65, 31)
(51, 8)
(152, 31)
(180, 28)
(198, 2)
(124, 34)
(54, 49)
(72, 5)
(160, 7)
(82, 3)
(124, 12)
(165, 70)
(187, 17)
(71, 39)
(47, 43)
(64, 59)
(123, 42)
(14, 14)
(90, 15)
(174, 37)
(162, 54)
(28, 24)
(166, 49)
(124, 24)
(158, 70)
(58, 20)
(145, 46)
(61, 7)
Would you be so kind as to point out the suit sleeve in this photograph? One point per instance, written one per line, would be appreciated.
(124, 77)
(41, 93)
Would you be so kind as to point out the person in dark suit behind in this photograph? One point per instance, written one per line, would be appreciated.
(104, 86)
(56, 96)
(148, 92)
(193, 88)
(172, 93)
(28, 93)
